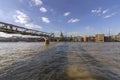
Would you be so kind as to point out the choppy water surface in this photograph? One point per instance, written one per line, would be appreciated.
(59, 61)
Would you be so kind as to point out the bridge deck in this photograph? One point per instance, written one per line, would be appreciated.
(13, 29)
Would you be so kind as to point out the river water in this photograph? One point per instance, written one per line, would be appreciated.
(59, 61)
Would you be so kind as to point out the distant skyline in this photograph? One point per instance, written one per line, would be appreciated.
(80, 17)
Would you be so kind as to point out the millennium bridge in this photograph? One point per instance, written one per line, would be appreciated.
(14, 29)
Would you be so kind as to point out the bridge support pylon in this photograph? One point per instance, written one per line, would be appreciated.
(47, 42)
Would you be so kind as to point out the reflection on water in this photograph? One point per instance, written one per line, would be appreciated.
(59, 61)
(16, 51)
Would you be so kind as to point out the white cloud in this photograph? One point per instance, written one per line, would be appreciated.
(42, 9)
(110, 15)
(73, 20)
(33, 26)
(67, 14)
(99, 11)
(21, 17)
(105, 11)
(38, 2)
(45, 19)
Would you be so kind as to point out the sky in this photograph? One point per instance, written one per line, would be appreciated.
(76, 17)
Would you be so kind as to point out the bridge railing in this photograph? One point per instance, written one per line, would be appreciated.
(10, 28)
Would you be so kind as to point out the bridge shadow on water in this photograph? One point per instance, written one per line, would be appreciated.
(63, 62)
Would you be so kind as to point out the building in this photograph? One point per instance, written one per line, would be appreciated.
(108, 38)
(117, 37)
(61, 37)
(91, 39)
(77, 39)
(99, 38)
(85, 39)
